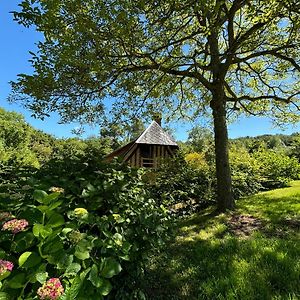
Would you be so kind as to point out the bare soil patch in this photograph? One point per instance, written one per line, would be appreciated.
(244, 225)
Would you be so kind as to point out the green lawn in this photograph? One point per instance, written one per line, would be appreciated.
(251, 253)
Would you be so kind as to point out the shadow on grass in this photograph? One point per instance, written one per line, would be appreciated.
(226, 269)
(206, 261)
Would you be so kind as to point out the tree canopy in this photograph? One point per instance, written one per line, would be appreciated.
(173, 56)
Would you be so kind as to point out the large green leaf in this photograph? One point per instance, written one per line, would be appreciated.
(111, 267)
(4, 275)
(23, 241)
(105, 288)
(41, 230)
(82, 255)
(65, 261)
(23, 258)
(94, 277)
(29, 259)
(41, 277)
(17, 281)
(55, 204)
(43, 198)
(50, 198)
(39, 196)
(53, 246)
(72, 291)
(4, 296)
(73, 269)
(56, 220)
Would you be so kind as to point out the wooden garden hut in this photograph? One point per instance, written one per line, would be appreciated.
(148, 150)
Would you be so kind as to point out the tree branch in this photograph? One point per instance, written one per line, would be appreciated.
(273, 52)
(266, 97)
(158, 67)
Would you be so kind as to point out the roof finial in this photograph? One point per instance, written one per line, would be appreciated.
(157, 117)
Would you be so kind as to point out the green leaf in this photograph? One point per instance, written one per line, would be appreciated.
(36, 229)
(65, 261)
(94, 277)
(4, 296)
(53, 246)
(105, 287)
(23, 258)
(43, 208)
(40, 196)
(54, 257)
(17, 281)
(118, 239)
(66, 230)
(56, 220)
(118, 218)
(4, 275)
(73, 290)
(29, 259)
(126, 247)
(23, 241)
(43, 198)
(111, 267)
(50, 198)
(55, 204)
(41, 277)
(90, 187)
(41, 230)
(73, 269)
(82, 254)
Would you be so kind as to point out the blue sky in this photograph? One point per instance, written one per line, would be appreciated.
(16, 41)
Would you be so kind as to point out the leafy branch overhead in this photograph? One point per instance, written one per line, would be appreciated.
(166, 54)
(170, 56)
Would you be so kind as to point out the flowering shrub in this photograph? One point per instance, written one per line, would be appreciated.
(52, 289)
(84, 244)
(15, 225)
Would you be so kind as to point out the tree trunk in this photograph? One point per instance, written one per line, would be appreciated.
(224, 184)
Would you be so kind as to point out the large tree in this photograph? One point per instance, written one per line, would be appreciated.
(165, 55)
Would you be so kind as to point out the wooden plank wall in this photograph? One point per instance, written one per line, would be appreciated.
(157, 152)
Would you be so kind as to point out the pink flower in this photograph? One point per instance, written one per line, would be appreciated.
(15, 225)
(52, 289)
(5, 266)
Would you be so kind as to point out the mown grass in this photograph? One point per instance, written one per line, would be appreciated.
(224, 257)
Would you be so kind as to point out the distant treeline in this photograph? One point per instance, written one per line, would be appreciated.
(271, 141)
(23, 145)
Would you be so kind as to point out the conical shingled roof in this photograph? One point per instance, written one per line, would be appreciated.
(155, 135)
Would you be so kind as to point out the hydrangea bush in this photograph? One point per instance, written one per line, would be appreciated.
(81, 245)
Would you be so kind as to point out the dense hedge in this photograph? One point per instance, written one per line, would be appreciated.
(188, 181)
